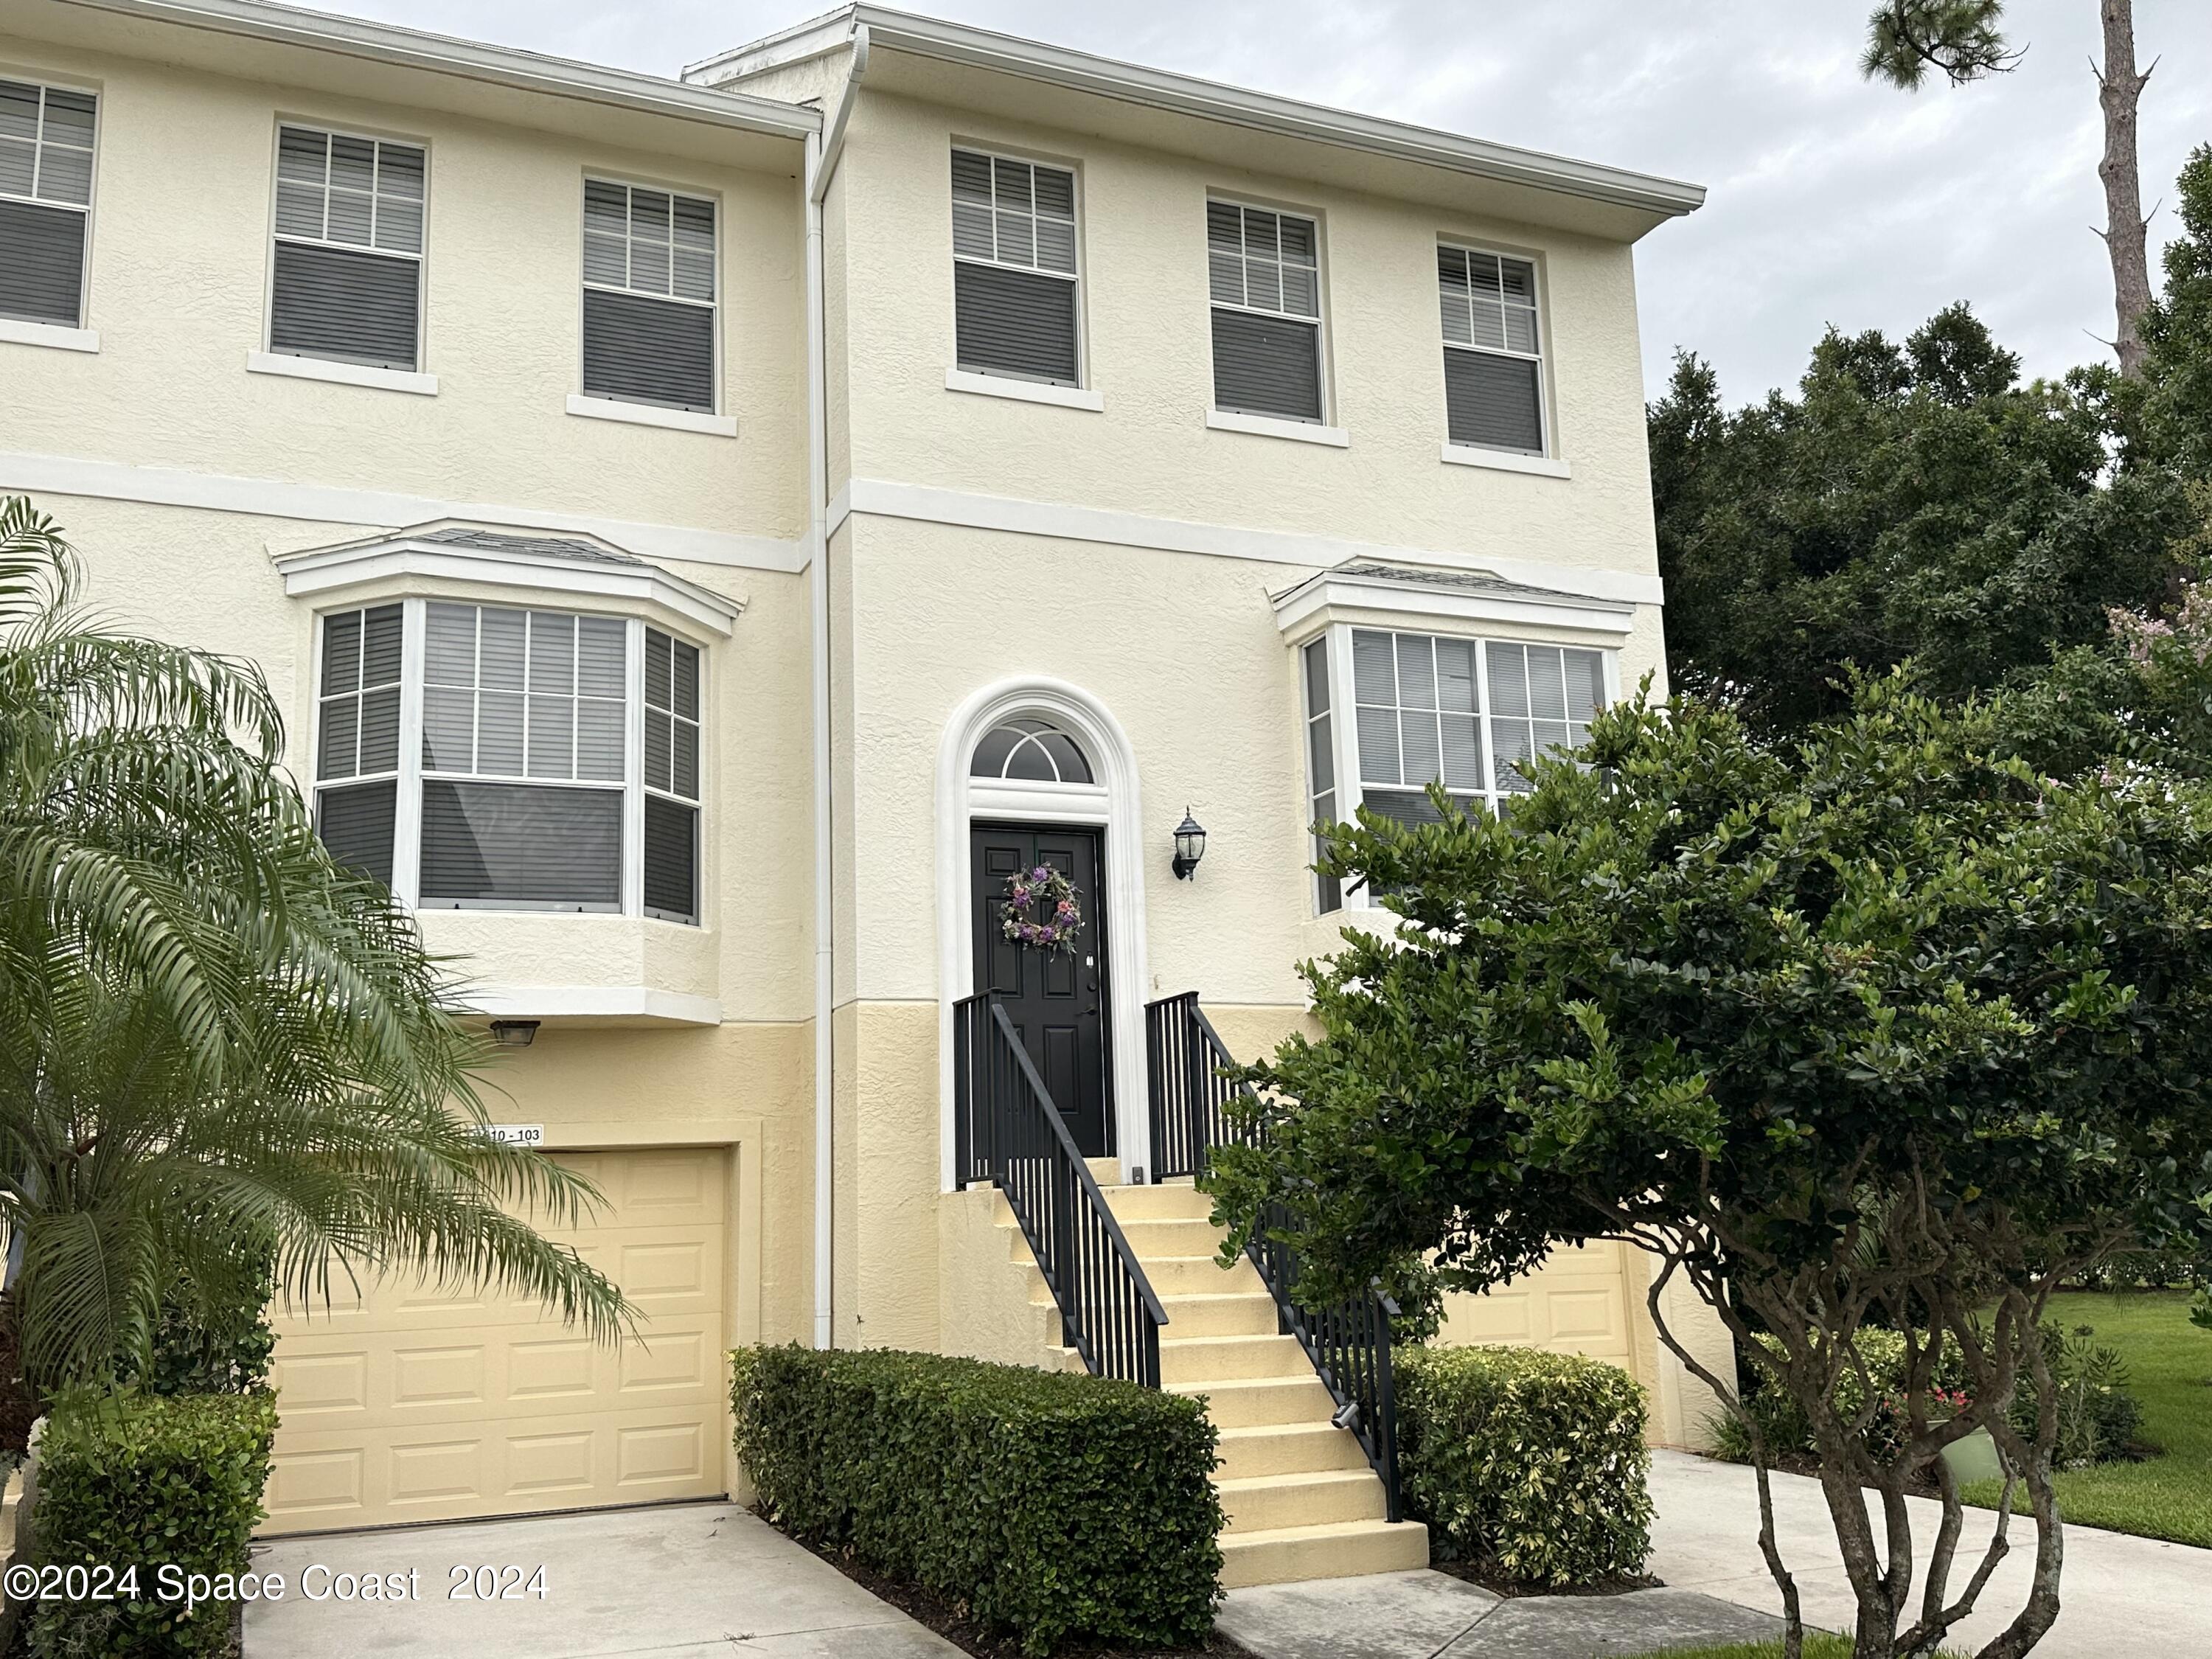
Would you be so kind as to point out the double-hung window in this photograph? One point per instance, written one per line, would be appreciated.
(1014, 277)
(1493, 365)
(482, 757)
(346, 271)
(1263, 274)
(46, 201)
(1388, 713)
(649, 296)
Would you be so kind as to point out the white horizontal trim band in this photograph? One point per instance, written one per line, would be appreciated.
(1505, 460)
(1268, 426)
(591, 1002)
(675, 420)
(971, 510)
(321, 368)
(274, 498)
(1027, 392)
(49, 334)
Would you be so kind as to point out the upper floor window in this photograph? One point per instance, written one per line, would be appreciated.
(649, 296)
(1493, 367)
(46, 201)
(1429, 708)
(346, 272)
(1029, 750)
(1014, 276)
(478, 756)
(1263, 273)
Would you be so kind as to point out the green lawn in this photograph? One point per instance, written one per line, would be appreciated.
(2170, 1368)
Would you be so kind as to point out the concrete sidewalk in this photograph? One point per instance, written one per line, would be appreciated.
(671, 1581)
(2118, 1595)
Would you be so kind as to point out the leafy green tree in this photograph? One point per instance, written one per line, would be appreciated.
(1871, 1026)
(211, 1035)
(1909, 501)
(2174, 427)
(1962, 41)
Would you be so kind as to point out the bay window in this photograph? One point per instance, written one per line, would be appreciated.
(487, 757)
(1389, 712)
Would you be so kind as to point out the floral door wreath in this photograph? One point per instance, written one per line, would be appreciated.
(1025, 890)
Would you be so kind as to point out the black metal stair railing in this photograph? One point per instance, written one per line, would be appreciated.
(1193, 1112)
(1007, 1131)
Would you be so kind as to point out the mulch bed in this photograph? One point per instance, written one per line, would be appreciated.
(951, 1623)
(1488, 1576)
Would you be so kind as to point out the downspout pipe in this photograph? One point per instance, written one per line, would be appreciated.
(822, 154)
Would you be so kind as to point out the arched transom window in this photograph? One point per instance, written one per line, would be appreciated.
(1027, 750)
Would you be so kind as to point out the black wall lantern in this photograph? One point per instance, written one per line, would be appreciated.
(1190, 845)
(514, 1033)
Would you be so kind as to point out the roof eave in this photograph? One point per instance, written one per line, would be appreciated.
(1059, 66)
(497, 65)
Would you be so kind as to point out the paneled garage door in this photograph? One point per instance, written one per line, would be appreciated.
(406, 1404)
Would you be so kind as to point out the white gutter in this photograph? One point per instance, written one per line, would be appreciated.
(1210, 100)
(820, 161)
(526, 71)
(833, 144)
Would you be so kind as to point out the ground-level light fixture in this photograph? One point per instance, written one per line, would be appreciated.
(1189, 844)
(514, 1033)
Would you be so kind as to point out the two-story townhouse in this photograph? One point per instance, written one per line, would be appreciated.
(713, 534)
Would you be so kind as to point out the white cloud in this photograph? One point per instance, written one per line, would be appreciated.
(1831, 200)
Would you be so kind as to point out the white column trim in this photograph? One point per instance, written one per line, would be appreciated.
(1121, 813)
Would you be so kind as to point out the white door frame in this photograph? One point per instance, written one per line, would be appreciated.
(1113, 803)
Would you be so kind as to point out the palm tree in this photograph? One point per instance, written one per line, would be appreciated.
(211, 1033)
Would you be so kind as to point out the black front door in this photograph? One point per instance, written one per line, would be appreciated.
(1055, 999)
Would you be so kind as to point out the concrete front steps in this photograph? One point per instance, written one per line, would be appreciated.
(1300, 1498)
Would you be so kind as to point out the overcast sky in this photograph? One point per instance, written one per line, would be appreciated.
(1831, 200)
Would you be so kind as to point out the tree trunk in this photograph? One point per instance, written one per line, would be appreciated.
(2119, 89)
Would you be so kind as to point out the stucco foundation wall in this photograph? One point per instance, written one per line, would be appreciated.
(887, 1271)
(985, 1310)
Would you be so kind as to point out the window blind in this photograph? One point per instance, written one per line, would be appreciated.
(1263, 275)
(672, 777)
(1493, 367)
(45, 198)
(649, 296)
(1014, 268)
(347, 279)
(510, 844)
(1321, 765)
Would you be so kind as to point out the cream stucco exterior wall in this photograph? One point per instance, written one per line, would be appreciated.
(1130, 552)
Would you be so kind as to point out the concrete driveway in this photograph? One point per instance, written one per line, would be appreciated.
(671, 1581)
(2118, 1594)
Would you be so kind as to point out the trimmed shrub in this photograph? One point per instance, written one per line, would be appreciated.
(147, 1480)
(1052, 1505)
(1531, 1461)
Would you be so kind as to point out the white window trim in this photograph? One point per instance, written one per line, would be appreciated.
(601, 407)
(1513, 460)
(1078, 278)
(1504, 461)
(83, 336)
(1344, 718)
(1022, 389)
(1319, 319)
(669, 420)
(16, 332)
(1277, 426)
(338, 373)
(407, 824)
(421, 258)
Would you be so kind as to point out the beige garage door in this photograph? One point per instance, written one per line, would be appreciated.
(1576, 1302)
(404, 1404)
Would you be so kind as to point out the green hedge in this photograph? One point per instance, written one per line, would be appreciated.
(1052, 1505)
(150, 1481)
(1531, 1461)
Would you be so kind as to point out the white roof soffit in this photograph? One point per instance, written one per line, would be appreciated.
(1061, 67)
(498, 66)
(564, 563)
